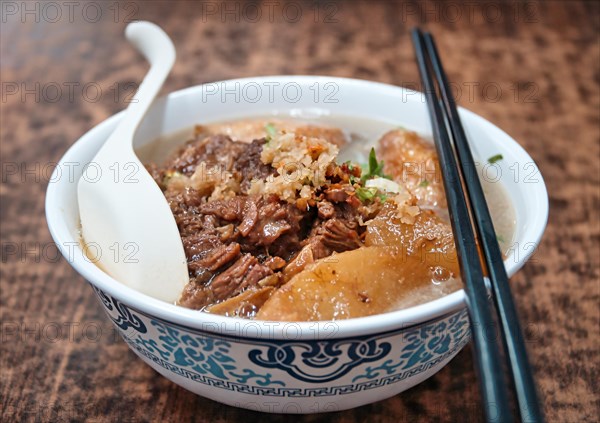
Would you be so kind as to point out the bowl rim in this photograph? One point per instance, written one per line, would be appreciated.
(239, 327)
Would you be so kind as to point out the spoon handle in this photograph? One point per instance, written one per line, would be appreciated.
(158, 49)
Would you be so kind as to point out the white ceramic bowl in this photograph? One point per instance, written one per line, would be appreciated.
(293, 367)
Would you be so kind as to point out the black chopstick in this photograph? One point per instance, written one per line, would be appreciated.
(487, 355)
(513, 339)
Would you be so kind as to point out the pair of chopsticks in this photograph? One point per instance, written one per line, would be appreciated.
(457, 171)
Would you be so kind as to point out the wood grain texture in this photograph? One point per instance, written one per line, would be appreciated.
(533, 69)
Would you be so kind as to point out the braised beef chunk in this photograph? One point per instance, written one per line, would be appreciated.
(337, 233)
(228, 210)
(249, 166)
(326, 209)
(196, 296)
(340, 235)
(213, 150)
(231, 244)
(275, 222)
(246, 272)
(234, 241)
(336, 194)
(262, 223)
(203, 267)
(242, 159)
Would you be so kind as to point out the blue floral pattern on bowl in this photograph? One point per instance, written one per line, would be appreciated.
(288, 368)
(319, 361)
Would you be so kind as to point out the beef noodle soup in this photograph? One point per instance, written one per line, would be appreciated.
(295, 220)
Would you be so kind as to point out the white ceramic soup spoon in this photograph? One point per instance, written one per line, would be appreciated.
(127, 225)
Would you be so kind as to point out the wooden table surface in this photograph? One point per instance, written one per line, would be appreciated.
(531, 68)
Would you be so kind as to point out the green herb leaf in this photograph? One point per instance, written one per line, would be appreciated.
(495, 158)
(373, 165)
(270, 130)
(369, 194)
(374, 168)
(366, 194)
(499, 238)
(424, 183)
